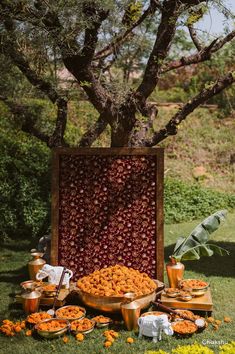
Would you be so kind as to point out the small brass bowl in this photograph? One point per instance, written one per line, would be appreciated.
(102, 324)
(52, 334)
(185, 297)
(172, 293)
(86, 331)
(195, 291)
(82, 309)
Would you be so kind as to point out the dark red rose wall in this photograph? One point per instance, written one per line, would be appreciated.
(107, 212)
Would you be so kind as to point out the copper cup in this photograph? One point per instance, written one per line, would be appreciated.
(31, 301)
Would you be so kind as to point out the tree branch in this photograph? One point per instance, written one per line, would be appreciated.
(203, 55)
(93, 132)
(172, 126)
(25, 114)
(112, 47)
(194, 38)
(165, 34)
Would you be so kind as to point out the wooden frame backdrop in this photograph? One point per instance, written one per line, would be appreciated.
(155, 154)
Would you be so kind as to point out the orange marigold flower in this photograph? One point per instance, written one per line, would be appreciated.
(227, 319)
(17, 328)
(80, 337)
(210, 319)
(218, 322)
(107, 344)
(28, 333)
(22, 325)
(130, 340)
(65, 339)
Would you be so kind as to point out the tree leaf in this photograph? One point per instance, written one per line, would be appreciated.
(195, 245)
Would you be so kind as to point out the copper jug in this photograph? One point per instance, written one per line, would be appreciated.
(31, 300)
(130, 311)
(175, 272)
(35, 264)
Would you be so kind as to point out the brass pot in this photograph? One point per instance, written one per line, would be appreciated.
(130, 312)
(175, 272)
(35, 264)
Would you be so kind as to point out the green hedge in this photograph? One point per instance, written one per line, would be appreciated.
(185, 202)
(24, 187)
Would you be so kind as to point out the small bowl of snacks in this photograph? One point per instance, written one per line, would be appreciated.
(172, 292)
(52, 327)
(71, 312)
(102, 321)
(184, 327)
(198, 287)
(82, 326)
(37, 317)
(49, 290)
(185, 296)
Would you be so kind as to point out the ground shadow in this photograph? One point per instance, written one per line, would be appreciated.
(215, 265)
(15, 276)
(14, 245)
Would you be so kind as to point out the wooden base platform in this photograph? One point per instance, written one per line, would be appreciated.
(199, 303)
(48, 301)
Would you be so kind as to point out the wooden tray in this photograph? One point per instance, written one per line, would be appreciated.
(48, 301)
(200, 303)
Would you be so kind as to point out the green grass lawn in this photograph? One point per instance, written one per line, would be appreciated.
(220, 272)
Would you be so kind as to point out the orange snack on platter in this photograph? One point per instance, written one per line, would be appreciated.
(82, 325)
(49, 287)
(116, 281)
(37, 317)
(51, 326)
(70, 312)
(184, 327)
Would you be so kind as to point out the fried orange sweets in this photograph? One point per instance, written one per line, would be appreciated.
(82, 325)
(184, 327)
(37, 317)
(116, 281)
(102, 319)
(194, 283)
(51, 326)
(70, 312)
(49, 287)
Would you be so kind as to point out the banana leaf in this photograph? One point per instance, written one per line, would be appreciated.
(195, 245)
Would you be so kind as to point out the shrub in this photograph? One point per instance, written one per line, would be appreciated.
(186, 202)
(24, 187)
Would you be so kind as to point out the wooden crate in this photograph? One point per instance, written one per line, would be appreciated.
(107, 208)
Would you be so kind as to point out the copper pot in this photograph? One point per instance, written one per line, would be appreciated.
(175, 272)
(35, 264)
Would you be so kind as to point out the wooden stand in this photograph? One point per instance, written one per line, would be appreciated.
(48, 301)
(199, 303)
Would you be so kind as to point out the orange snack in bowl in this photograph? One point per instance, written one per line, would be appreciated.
(49, 287)
(82, 325)
(51, 326)
(184, 327)
(70, 312)
(194, 283)
(36, 317)
(102, 319)
(116, 281)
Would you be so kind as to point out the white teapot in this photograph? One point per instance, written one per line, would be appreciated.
(153, 326)
(54, 274)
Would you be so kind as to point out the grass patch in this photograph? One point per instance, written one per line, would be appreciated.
(218, 271)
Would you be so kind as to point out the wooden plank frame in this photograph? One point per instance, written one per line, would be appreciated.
(55, 201)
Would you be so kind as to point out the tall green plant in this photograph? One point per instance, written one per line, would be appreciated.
(196, 244)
